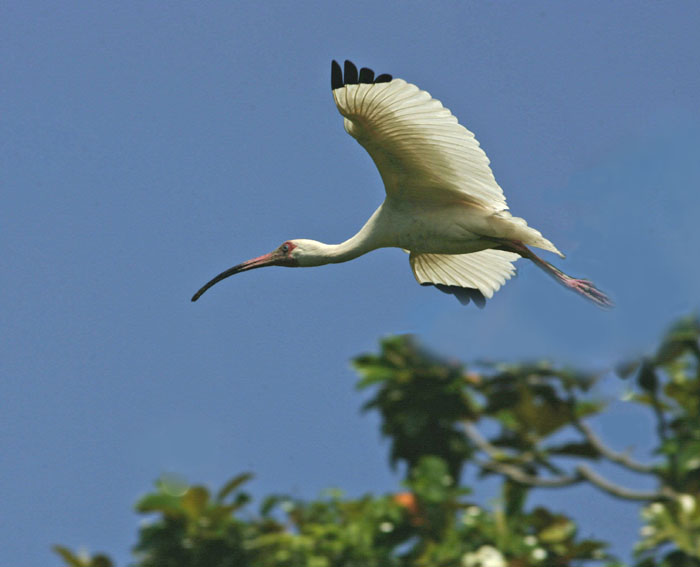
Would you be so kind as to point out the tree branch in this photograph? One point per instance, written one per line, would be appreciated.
(621, 459)
(480, 441)
(583, 473)
(620, 491)
(513, 472)
(518, 475)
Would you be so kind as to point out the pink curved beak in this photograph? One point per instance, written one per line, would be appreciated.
(274, 258)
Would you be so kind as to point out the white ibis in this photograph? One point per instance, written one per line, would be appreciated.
(442, 204)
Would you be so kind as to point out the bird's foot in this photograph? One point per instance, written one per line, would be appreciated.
(587, 290)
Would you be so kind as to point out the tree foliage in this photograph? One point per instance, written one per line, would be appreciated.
(528, 424)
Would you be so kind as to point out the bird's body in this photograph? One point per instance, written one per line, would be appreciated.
(431, 228)
(442, 204)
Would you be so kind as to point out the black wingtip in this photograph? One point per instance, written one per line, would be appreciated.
(336, 75)
(366, 75)
(350, 73)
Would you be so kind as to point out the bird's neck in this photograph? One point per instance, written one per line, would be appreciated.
(366, 240)
(348, 250)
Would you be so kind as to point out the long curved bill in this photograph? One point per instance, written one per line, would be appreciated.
(272, 259)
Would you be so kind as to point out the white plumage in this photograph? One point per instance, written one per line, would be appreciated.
(443, 204)
(420, 149)
(486, 270)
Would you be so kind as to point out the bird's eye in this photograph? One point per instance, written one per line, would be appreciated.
(285, 248)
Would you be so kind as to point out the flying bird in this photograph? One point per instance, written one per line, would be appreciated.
(443, 205)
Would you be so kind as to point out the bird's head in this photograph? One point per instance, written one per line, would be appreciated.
(292, 253)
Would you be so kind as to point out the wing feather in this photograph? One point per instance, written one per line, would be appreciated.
(486, 270)
(420, 149)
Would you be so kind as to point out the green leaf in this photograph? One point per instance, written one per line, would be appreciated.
(270, 503)
(68, 556)
(689, 456)
(101, 561)
(514, 495)
(586, 408)
(167, 504)
(647, 379)
(683, 336)
(588, 548)
(431, 480)
(232, 485)
(195, 501)
(239, 501)
(560, 530)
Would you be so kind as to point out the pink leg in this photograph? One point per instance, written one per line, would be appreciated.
(581, 286)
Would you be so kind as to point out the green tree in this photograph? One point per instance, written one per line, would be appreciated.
(503, 420)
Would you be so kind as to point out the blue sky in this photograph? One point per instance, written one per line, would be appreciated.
(148, 146)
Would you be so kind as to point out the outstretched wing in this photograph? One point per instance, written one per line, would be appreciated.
(485, 271)
(420, 149)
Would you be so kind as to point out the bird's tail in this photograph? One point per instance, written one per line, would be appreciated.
(516, 228)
